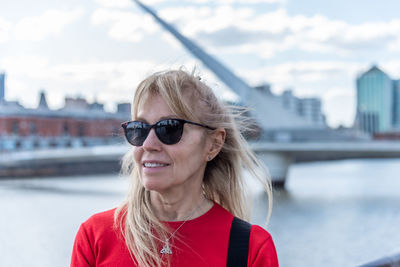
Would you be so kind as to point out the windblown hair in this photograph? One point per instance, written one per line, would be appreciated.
(189, 98)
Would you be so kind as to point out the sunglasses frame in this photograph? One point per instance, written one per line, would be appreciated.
(124, 125)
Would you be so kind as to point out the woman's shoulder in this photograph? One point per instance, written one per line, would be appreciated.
(259, 234)
(99, 226)
(100, 218)
(98, 237)
(100, 223)
(262, 250)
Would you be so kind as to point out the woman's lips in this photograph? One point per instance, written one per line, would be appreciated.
(154, 164)
(151, 166)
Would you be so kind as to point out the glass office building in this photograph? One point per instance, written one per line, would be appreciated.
(374, 101)
(396, 104)
(2, 86)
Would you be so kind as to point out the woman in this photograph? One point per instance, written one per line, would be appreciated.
(186, 186)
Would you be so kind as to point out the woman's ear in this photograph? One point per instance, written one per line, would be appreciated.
(217, 139)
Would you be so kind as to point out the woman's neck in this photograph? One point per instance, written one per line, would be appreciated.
(179, 206)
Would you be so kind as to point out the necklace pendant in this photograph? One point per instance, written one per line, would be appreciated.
(166, 249)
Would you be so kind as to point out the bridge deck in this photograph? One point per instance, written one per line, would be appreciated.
(319, 151)
(107, 158)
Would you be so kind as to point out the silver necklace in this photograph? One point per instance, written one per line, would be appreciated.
(166, 248)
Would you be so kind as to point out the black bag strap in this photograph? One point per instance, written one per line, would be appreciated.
(238, 249)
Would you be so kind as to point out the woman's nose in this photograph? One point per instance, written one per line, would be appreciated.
(152, 142)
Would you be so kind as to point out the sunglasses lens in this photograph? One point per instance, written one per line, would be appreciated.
(136, 132)
(169, 131)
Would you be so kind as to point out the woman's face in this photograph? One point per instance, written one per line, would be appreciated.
(162, 167)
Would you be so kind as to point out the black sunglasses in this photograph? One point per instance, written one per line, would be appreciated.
(168, 131)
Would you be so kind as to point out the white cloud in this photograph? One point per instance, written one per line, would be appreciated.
(5, 27)
(192, 20)
(237, 1)
(124, 26)
(40, 68)
(171, 40)
(254, 1)
(394, 46)
(112, 81)
(216, 2)
(52, 22)
(153, 2)
(242, 30)
(263, 50)
(291, 74)
(184, 14)
(29, 66)
(115, 3)
(273, 32)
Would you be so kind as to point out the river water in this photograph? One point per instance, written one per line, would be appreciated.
(338, 213)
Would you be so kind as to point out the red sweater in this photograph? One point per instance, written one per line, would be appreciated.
(202, 242)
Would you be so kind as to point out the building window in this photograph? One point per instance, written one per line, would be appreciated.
(32, 127)
(65, 129)
(15, 128)
(117, 131)
(81, 129)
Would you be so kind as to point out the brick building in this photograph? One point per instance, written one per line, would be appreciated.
(73, 125)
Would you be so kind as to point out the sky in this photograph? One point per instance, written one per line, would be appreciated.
(101, 49)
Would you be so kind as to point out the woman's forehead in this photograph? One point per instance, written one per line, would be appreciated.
(152, 102)
(186, 107)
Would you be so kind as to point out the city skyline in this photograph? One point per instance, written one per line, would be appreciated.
(101, 50)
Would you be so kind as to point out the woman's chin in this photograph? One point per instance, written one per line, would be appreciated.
(152, 185)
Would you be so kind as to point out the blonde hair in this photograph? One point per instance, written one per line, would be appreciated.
(223, 177)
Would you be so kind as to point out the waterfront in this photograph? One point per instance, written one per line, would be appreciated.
(341, 213)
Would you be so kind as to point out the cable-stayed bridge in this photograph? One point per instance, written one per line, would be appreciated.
(280, 127)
